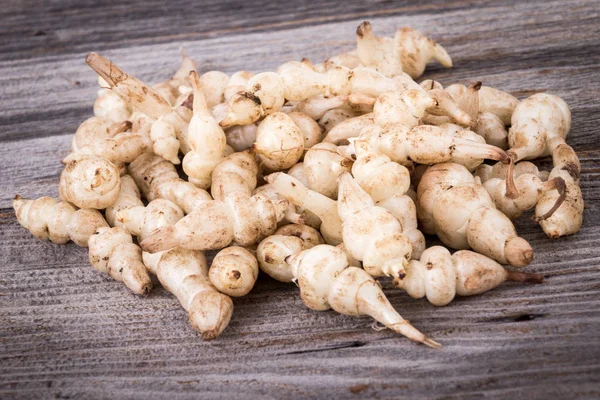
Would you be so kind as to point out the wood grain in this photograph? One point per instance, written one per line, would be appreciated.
(69, 332)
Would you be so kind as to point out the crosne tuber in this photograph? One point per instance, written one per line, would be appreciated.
(58, 222)
(371, 234)
(279, 142)
(440, 276)
(129, 196)
(322, 206)
(235, 173)
(168, 128)
(407, 51)
(288, 240)
(323, 165)
(387, 183)
(185, 274)
(490, 100)
(109, 105)
(114, 141)
(327, 281)
(453, 205)
(142, 221)
(89, 182)
(349, 128)
(158, 178)
(215, 224)
(234, 271)
(112, 251)
(539, 124)
(558, 213)
(205, 138)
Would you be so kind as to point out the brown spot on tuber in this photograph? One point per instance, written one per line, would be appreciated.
(572, 169)
(235, 274)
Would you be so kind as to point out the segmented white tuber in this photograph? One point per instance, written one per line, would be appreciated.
(317, 106)
(309, 128)
(286, 241)
(234, 271)
(407, 51)
(387, 183)
(205, 138)
(322, 166)
(349, 128)
(113, 141)
(89, 182)
(371, 234)
(109, 105)
(112, 251)
(235, 173)
(279, 142)
(453, 205)
(59, 222)
(539, 124)
(402, 108)
(142, 221)
(168, 129)
(440, 276)
(157, 178)
(426, 144)
(215, 224)
(561, 214)
(326, 281)
(185, 274)
(322, 206)
(129, 196)
(490, 100)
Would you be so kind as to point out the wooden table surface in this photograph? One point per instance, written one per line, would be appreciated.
(67, 331)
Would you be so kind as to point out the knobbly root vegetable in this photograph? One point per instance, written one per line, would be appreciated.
(89, 182)
(58, 222)
(112, 251)
(213, 84)
(323, 165)
(499, 170)
(371, 234)
(279, 143)
(205, 138)
(360, 103)
(562, 214)
(293, 214)
(316, 107)
(387, 183)
(540, 123)
(113, 141)
(287, 241)
(326, 281)
(157, 178)
(453, 205)
(486, 124)
(490, 100)
(215, 224)
(348, 60)
(528, 189)
(168, 123)
(408, 51)
(235, 173)
(309, 128)
(234, 271)
(446, 106)
(185, 274)
(324, 207)
(349, 128)
(142, 221)
(426, 144)
(334, 117)
(109, 105)
(129, 196)
(402, 108)
(440, 276)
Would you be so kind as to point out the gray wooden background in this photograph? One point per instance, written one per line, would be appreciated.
(69, 332)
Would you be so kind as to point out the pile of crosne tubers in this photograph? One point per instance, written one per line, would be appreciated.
(326, 175)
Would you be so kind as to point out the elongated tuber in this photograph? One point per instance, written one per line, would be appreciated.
(157, 178)
(185, 274)
(440, 276)
(58, 222)
(129, 196)
(453, 205)
(112, 251)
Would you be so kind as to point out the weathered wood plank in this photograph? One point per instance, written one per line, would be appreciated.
(68, 331)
